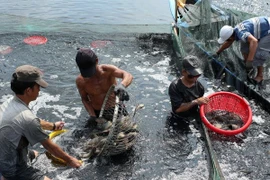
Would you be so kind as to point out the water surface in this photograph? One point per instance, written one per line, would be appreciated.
(139, 32)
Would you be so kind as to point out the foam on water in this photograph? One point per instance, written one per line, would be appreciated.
(198, 172)
(144, 69)
(5, 97)
(116, 60)
(159, 153)
(61, 111)
(258, 119)
(230, 173)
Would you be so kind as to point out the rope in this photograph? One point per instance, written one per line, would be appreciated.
(215, 171)
(105, 100)
(123, 131)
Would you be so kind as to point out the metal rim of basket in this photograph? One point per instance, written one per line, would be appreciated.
(115, 115)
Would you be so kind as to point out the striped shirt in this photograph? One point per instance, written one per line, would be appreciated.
(257, 26)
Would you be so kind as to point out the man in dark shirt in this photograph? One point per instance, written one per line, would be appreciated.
(186, 93)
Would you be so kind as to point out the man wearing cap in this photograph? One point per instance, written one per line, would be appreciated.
(19, 127)
(186, 93)
(254, 34)
(95, 80)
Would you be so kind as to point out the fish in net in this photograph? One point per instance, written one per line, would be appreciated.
(117, 127)
(224, 119)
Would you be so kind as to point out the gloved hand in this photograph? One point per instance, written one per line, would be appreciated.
(216, 55)
(213, 55)
(249, 66)
(91, 122)
(121, 91)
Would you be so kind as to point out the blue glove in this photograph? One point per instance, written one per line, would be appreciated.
(120, 90)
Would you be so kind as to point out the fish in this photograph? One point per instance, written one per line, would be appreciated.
(93, 147)
(120, 136)
(95, 142)
(139, 106)
(224, 119)
(125, 140)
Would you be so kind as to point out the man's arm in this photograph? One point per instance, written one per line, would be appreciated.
(58, 152)
(119, 73)
(84, 97)
(187, 106)
(224, 46)
(253, 44)
(51, 126)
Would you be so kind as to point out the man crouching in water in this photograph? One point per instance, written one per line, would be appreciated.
(95, 80)
(19, 127)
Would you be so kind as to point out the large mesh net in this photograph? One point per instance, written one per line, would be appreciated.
(199, 26)
(196, 30)
(117, 127)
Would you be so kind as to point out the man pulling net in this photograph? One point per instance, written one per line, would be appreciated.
(94, 82)
(115, 130)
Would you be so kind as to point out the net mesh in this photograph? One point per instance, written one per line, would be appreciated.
(123, 132)
(199, 28)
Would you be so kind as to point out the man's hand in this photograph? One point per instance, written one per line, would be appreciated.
(249, 69)
(73, 162)
(202, 100)
(59, 125)
(216, 55)
(249, 66)
(121, 91)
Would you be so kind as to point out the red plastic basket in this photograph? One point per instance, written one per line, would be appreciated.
(35, 40)
(229, 102)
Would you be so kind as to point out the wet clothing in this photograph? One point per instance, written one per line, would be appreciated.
(29, 173)
(19, 127)
(263, 50)
(179, 94)
(259, 27)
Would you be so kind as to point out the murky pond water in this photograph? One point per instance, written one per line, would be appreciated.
(148, 58)
(162, 152)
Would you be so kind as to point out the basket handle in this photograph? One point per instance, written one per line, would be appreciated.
(105, 100)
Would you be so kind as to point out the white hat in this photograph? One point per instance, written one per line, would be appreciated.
(225, 33)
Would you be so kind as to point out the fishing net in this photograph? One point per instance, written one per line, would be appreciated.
(196, 31)
(199, 26)
(122, 130)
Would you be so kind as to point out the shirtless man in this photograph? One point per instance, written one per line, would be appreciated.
(95, 80)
